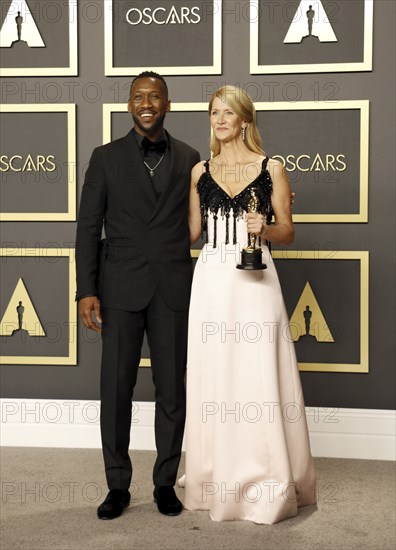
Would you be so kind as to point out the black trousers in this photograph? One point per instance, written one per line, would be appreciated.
(122, 337)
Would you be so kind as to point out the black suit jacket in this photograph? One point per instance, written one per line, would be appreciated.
(147, 244)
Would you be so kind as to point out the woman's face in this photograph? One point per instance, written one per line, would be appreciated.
(225, 123)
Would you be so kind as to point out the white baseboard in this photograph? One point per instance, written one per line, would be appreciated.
(352, 433)
(337, 433)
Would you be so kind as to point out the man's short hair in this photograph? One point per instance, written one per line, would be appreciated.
(151, 74)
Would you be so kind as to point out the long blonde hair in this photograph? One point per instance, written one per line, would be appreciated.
(241, 103)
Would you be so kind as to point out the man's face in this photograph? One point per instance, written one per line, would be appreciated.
(148, 105)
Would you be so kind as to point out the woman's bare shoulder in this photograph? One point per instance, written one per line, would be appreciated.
(198, 170)
(275, 168)
(274, 164)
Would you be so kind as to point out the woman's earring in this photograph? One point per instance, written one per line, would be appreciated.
(244, 133)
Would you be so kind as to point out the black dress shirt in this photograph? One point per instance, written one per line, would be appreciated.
(152, 158)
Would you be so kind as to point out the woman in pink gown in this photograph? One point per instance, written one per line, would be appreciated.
(247, 444)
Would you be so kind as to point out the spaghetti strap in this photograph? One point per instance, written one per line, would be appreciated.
(207, 166)
(265, 162)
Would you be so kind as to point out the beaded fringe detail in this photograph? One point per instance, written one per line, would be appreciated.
(215, 200)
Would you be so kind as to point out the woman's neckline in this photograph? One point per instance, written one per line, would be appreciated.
(244, 189)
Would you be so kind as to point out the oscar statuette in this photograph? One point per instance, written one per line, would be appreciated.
(251, 257)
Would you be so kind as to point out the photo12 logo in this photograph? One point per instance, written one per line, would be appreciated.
(163, 16)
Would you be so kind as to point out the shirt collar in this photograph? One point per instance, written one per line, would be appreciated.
(163, 137)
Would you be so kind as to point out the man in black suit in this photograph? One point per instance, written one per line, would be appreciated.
(138, 280)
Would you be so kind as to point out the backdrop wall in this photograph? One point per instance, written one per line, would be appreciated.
(300, 113)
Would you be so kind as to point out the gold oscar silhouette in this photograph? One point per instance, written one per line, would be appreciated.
(252, 257)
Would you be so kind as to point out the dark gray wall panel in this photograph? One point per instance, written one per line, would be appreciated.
(91, 89)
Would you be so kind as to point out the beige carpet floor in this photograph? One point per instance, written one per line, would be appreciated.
(49, 499)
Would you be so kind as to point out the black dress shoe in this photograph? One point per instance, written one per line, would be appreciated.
(167, 501)
(114, 504)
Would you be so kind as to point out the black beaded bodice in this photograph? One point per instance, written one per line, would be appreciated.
(214, 200)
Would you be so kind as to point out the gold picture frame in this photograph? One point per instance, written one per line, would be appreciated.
(215, 68)
(364, 107)
(109, 108)
(71, 358)
(71, 70)
(70, 214)
(365, 65)
(363, 258)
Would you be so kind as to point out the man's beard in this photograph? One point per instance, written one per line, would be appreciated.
(154, 128)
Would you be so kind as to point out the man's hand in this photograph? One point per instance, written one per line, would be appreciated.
(85, 308)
